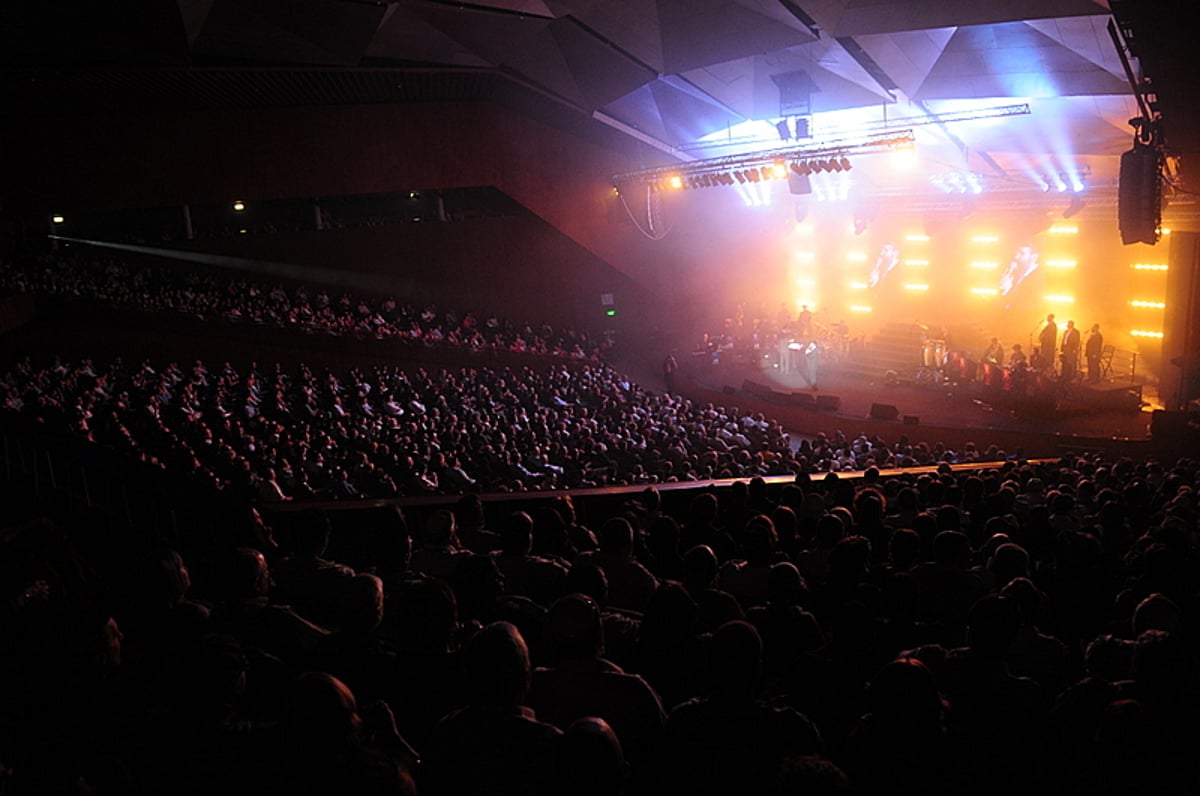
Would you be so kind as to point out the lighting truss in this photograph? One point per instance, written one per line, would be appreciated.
(763, 164)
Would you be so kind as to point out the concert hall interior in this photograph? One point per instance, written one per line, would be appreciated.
(961, 170)
(599, 397)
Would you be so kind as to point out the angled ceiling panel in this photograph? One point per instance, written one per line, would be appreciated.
(862, 17)
(1013, 60)
(405, 35)
(842, 81)
(639, 110)
(521, 44)
(314, 31)
(748, 87)
(602, 72)
(631, 24)
(685, 117)
(537, 8)
(1085, 36)
(697, 33)
(907, 57)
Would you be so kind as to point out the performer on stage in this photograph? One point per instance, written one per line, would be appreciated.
(1070, 353)
(806, 323)
(1048, 342)
(994, 353)
(1093, 348)
(812, 362)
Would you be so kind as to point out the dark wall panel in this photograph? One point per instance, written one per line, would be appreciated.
(174, 158)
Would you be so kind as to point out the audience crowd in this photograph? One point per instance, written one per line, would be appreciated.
(1025, 628)
(221, 296)
(279, 435)
(1016, 627)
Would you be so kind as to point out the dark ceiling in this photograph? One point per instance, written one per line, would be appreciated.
(666, 73)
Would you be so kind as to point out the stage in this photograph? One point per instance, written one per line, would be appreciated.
(1044, 420)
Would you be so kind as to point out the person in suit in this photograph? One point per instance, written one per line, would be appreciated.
(1048, 341)
(1069, 353)
(1093, 347)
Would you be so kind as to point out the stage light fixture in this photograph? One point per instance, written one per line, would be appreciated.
(784, 132)
(57, 219)
(239, 206)
(753, 175)
(1074, 207)
(845, 163)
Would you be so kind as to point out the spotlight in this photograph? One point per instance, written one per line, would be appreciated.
(753, 175)
(239, 206)
(57, 219)
(741, 176)
(860, 225)
(802, 168)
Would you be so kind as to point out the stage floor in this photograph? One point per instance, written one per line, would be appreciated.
(1105, 411)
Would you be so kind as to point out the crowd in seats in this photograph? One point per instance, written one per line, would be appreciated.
(213, 295)
(272, 435)
(1023, 628)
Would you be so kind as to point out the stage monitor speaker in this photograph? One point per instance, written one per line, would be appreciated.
(756, 389)
(831, 403)
(912, 420)
(1139, 200)
(729, 390)
(884, 412)
(803, 399)
(1165, 426)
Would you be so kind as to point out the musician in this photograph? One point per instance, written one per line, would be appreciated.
(1069, 352)
(994, 353)
(1018, 360)
(1019, 370)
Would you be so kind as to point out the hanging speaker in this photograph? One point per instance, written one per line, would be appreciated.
(798, 184)
(1139, 204)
